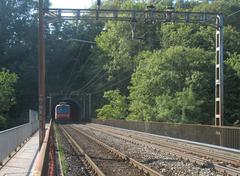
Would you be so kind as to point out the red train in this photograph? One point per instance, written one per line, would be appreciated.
(62, 112)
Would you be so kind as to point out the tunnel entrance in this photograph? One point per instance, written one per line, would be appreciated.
(75, 110)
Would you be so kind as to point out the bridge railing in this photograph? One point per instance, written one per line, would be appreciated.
(11, 139)
(221, 136)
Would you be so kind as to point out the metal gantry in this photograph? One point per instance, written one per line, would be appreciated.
(152, 16)
(133, 15)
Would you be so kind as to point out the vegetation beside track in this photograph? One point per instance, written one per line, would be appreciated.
(60, 150)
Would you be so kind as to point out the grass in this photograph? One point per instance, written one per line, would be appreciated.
(60, 150)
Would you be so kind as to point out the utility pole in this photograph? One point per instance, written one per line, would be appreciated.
(89, 105)
(41, 75)
(84, 107)
(50, 105)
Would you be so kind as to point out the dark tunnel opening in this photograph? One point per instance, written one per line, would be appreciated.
(75, 109)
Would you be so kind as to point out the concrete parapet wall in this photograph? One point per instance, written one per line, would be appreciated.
(222, 136)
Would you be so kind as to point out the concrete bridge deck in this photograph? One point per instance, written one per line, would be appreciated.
(22, 163)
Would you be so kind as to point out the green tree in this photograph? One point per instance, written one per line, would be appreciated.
(232, 89)
(182, 107)
(168, 82)
(18, 52)
(117, 107)
(234, 63)
(7, 98)
(227, 8)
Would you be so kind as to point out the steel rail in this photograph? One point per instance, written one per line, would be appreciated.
(168, 148)
(116, 152)
(77, 149)
(199, 151)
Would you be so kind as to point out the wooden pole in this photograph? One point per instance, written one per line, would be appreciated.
(41, 75)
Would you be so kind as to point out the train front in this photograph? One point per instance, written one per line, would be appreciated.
(62, 112)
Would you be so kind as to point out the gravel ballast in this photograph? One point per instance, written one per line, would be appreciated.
(74, 165)
(165, 163)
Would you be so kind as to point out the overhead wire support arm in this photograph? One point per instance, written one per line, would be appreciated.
(132, 15)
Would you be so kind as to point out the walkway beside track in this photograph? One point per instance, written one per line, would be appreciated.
(22, 163)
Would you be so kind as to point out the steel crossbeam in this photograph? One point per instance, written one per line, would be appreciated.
(132, 15)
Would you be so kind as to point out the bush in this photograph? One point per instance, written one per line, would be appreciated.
(117, 107)
(7, 91)
(3, 123)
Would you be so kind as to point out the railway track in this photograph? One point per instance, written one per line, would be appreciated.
(103, 159)
(222, 162)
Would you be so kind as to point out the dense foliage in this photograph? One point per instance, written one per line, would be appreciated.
(148, 71)
(175, 86)
(117, 107)
(7, 97)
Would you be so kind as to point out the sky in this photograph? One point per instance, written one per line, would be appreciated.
(72, 3)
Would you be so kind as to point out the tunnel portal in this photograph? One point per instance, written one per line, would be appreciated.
(75, 109)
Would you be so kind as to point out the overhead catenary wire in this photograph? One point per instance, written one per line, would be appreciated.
(90, 81)
(234, 13)
(79, 71)
(84, 41)
(82, 67)
(95, 82)
(91, 84)
(71, 74)
(108, 86)
(68, 83)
